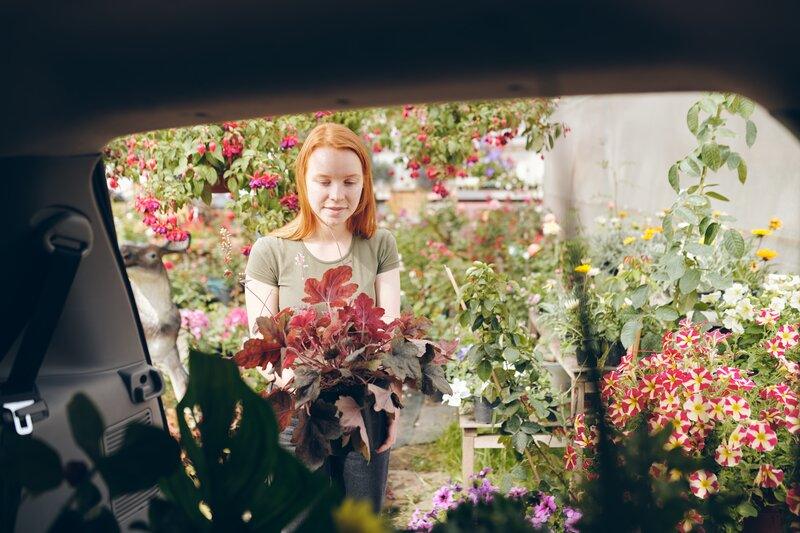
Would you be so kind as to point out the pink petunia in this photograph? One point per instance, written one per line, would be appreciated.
(768, 476)
(738, 437)
(696, 408)
(761, 437)
(703, 483)
(774, 346)
(793, 499)
(791, 419)
(699, 379)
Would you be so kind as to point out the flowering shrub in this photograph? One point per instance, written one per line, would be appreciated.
(337, 343)
(480, 501)
(748, 422)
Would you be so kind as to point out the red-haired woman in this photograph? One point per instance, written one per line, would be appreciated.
(335, 226)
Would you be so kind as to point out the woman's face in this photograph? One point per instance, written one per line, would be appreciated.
(334, 181)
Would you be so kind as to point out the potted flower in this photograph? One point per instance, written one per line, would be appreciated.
(347, 363)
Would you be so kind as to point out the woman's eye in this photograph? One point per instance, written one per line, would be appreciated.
(325, 183)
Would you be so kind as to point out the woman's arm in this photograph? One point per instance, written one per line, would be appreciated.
(261, 299)
(387, 293)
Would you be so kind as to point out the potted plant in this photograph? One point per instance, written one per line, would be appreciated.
(347, 363)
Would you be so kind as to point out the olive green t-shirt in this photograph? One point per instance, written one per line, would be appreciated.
(287, 264)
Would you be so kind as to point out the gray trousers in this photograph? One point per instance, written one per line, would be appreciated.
(349, 470)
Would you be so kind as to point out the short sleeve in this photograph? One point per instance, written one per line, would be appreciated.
(388, 259)
(262, 264)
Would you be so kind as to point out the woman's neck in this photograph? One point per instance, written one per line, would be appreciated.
(323, 233)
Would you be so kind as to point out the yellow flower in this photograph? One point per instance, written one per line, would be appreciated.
(628, 240)
(357, 517)
(583, 269)
(761, 232)
(716, 214)
(775, 223)
(656, 229)
(766, 254)
(622, 214)
(647, 235)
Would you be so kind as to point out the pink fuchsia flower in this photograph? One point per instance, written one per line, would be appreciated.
(696, 408)
(691, 519)
(788, 335)
(793, 499)
(195, 320)
(768, 476)
(703, 483)
(774, 346)
(321, 114)
(146, 204)
(737, 408)
(290, 202)
(725, 455)
(767, 317)
(288, 142)
(236, 317)
(761, 437)
(246, 249)
(264, 180)
(699, 379)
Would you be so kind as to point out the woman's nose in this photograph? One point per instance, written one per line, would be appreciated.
(336, 191)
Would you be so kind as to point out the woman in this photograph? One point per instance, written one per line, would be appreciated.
(336, 226)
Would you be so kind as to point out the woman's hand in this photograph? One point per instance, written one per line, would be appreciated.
(391, 437)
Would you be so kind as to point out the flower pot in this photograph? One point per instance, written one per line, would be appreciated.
(483, 410)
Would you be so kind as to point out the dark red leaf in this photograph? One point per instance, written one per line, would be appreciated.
(283, 405)
(314, 433)
(367, 317)
(258, 352)
(333, 289)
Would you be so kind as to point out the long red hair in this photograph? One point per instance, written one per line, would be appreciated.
(362, 222)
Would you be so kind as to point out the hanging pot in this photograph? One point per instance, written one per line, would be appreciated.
(483, 410)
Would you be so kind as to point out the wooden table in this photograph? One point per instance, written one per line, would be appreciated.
(470, 441)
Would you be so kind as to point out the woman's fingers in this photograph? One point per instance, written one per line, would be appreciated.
(391, 436)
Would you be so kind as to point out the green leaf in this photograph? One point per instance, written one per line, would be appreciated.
(148, 454)
(484, 370)
(666, 313)
(629, 330)
(86, 425)
(717, 196)
(733, 160)
(698, 249)
(689, 281)
(674, 179)
(520, 440)
(719, 281)
(639, 296)
(687, 214)
(750, 135)
(511, 355)
(733, 243)
(742, 171)
(693, 118)
(675, 266)
(711, 155)
(696, 200)
(35, 465)
(711, 233)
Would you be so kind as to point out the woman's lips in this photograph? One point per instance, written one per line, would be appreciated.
(336, 209)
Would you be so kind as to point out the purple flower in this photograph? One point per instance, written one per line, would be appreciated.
(516, 493)
(543, 510)
(481, 491)
(490, 172)
(443, 498)
(420, 521)
(571, 517)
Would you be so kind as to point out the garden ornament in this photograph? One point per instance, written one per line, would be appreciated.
(160, 318)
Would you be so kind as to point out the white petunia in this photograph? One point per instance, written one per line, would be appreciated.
(794, 300)
(734, 293)
(777, 303)
(711, 298)
(745, 309)
(732, 324)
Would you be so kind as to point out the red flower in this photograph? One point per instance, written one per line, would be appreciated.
(288, 142)
(290, 202)
(246, 249)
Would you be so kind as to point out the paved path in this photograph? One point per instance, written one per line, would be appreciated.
(422, 419)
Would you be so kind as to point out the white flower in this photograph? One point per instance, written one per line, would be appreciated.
(745, 309)
(777, 303)
(734, 293)
(614, 222)
(711, 298)
(593, 272)
(601, 221)
(551, 228)
(412, 273)
(460, 392)
(628, 301)
(732, 324)
(794, 300)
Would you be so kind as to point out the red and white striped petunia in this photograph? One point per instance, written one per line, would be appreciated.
(768, 476)
(727, 456)
(715, 337)
(691, 519)
(686, 338)
(703, 483)
(788, 335)
(790, 367)
(793, 499)
(717, 411)
(767, 317)
(791, 419)
(773, 416)
(570, 458)
(737, 407)
(730, 372)
(761, 437)
(699, 379)
(774, 346)
(696, 408)
(738, 437)
(677, 439)
(744, 384)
